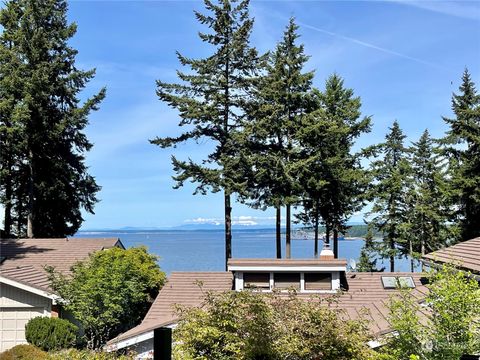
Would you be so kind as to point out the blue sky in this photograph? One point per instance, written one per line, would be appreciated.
(403, 58)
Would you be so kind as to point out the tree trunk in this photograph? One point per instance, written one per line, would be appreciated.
(278, 232)
(20, 220)
(392, 256)
(412, 265)
(228, 207)
(288, 249)
(327, 234)
(315, 252)
(30, 206)
(228, 229)
(7, 222)
(422, 250)
(335, 243)
(422, 241)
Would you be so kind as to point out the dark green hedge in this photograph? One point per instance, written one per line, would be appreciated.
(51, 333)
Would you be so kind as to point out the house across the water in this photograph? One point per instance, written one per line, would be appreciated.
(24, 286)
(317, 278)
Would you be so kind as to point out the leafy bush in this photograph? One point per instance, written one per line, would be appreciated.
(451, 327)
(51, 333)
(110, 292)
(24, 352)
(73, 354)
(248, 325)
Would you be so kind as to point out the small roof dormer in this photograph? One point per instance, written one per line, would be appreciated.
(303, 275)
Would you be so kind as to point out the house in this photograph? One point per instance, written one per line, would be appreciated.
(320, 277)
(464, 255)
(24, 286)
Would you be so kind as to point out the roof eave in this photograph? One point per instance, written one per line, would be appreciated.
(34, 290)
(438, 264)
(280, 268)
(122, 341)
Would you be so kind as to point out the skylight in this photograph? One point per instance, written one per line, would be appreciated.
(389, 282)
(394, 282)
(406, 282)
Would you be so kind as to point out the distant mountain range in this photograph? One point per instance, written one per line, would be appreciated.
(200, 227)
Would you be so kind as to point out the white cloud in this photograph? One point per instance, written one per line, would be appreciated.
(200, 220)
(245, 220)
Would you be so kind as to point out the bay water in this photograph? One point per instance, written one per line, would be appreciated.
(204, 250)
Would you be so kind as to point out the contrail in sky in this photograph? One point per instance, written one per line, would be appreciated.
(371, 46)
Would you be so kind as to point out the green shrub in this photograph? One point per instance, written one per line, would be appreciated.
(51, 333)
(110, 292)
(24, 352)
(249, 325)
(73, 354)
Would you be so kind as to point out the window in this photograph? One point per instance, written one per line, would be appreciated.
(256, 280)
(318, 281)
(287, 281)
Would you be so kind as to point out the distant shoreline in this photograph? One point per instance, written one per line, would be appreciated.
(350, 238)
(299, 234)
(356, 228)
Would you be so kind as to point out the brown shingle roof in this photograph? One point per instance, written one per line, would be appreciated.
(182, 288)
(30, 275)
(465, 255)
(366, 293)
(26, 258)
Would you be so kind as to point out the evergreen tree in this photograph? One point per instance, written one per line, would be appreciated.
(428, 199)
(463, 148)
(367, 261)
(313, 137)
(44, 177)
(389, 191)
(331, 174)
(211, 99)
(269, 135)
(10, 128)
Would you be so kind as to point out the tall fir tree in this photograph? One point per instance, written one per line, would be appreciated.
(331, 174)
(269, 135)
(428, 199)
(211, 99)
(391, 173)
(463, 148)
(11, 134)
(314, 139)
(42, 120)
